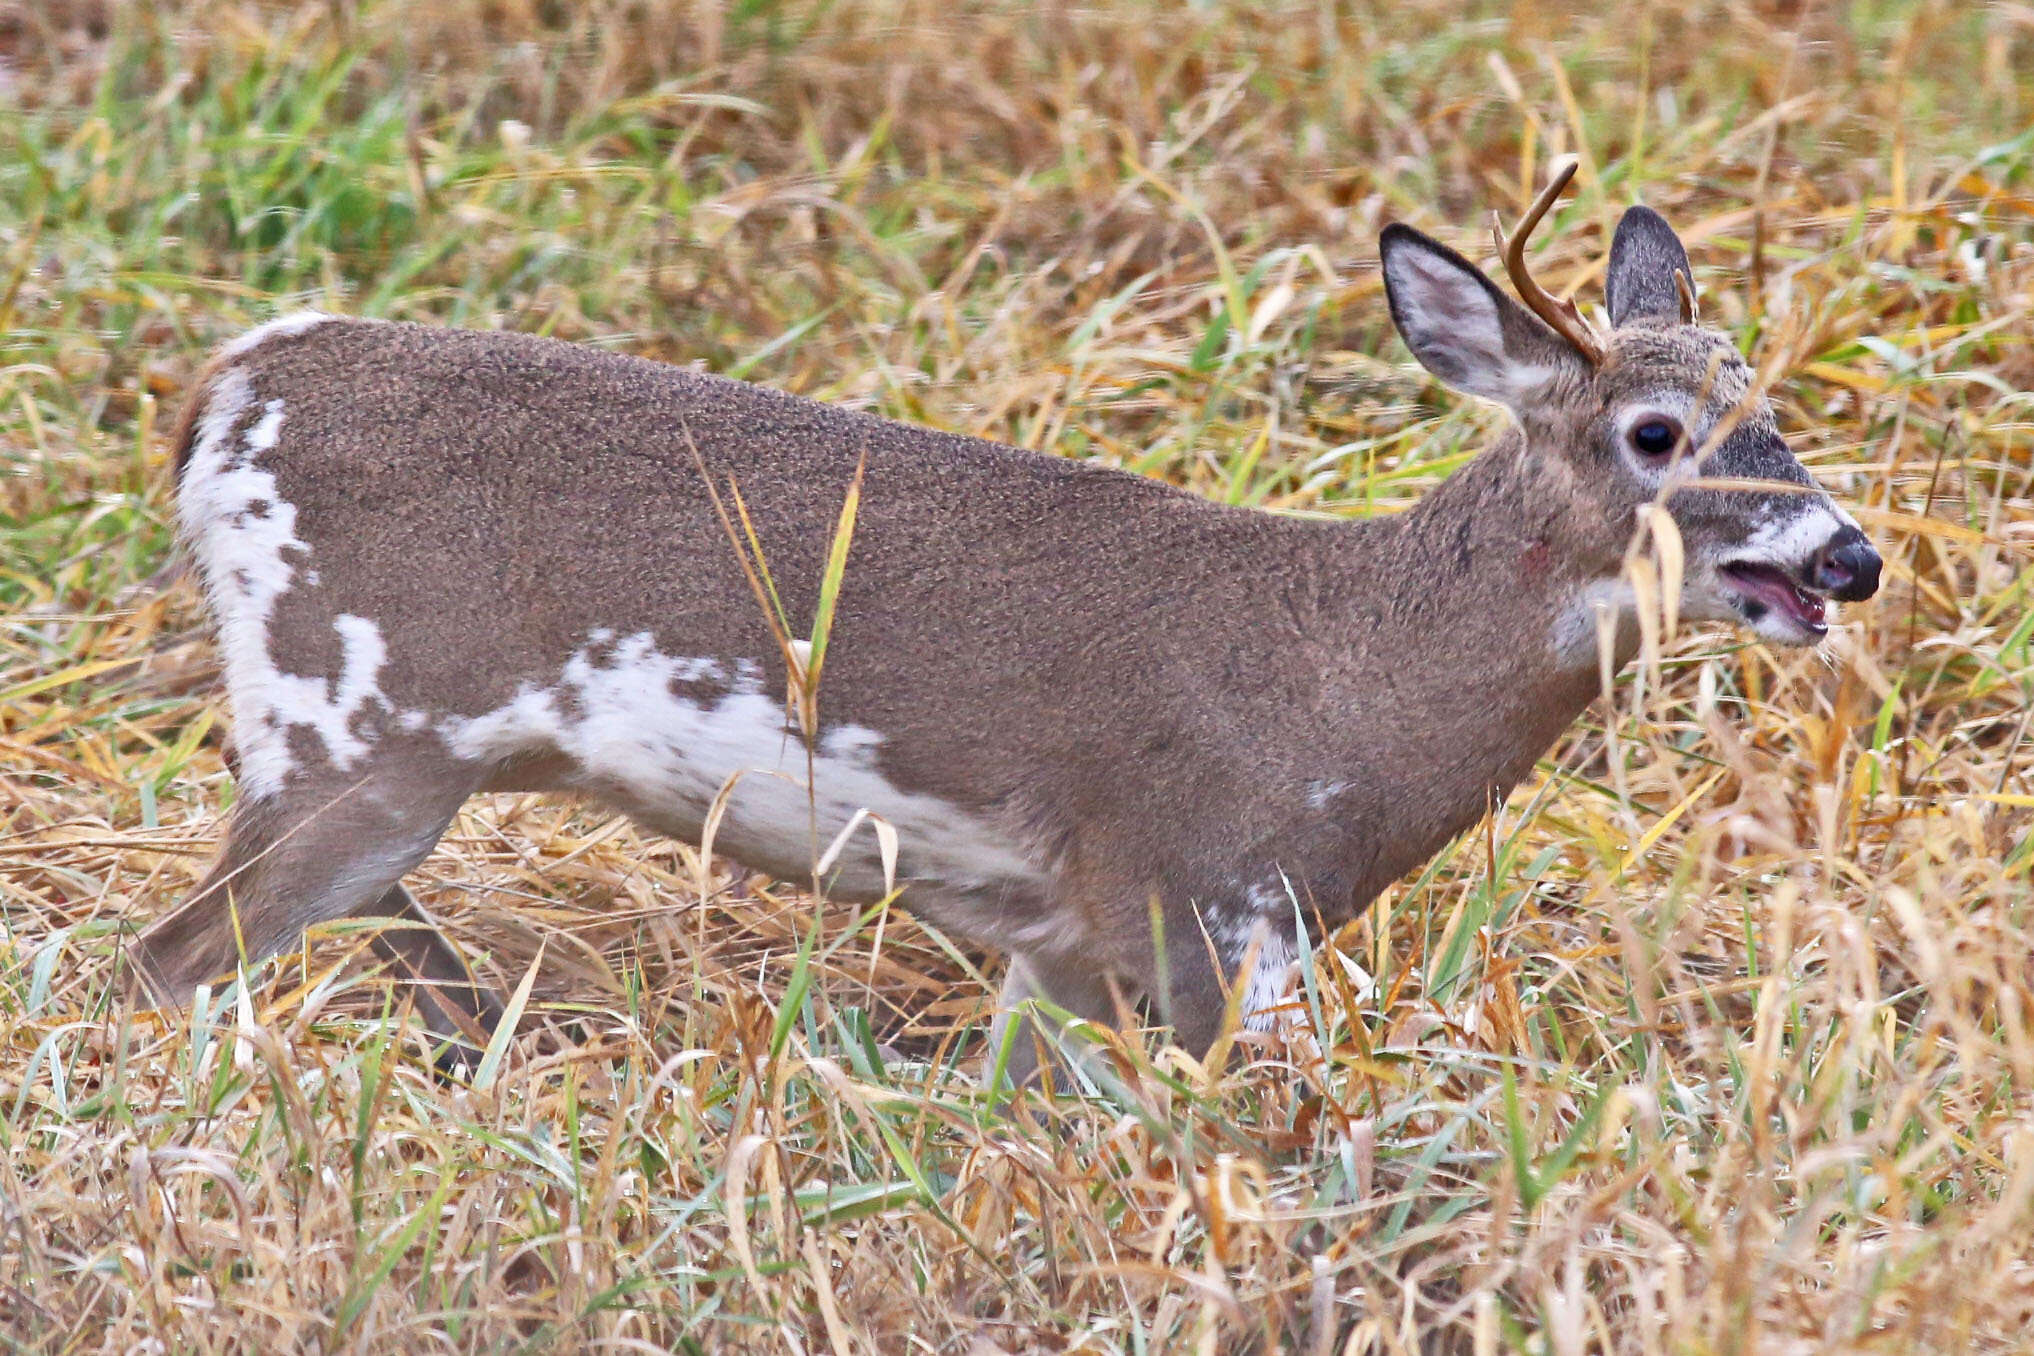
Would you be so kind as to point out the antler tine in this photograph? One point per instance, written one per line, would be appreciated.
(1557, 312)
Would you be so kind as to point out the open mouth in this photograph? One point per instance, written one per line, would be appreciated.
(1767, 588)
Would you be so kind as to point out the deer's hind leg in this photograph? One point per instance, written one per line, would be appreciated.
(323, 846)
(456, 1008)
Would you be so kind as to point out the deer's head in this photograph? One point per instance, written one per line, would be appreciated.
(1658, 410)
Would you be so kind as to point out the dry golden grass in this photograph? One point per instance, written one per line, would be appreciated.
(1719, 1038)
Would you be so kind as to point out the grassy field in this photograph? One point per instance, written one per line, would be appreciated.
(1719, 1037)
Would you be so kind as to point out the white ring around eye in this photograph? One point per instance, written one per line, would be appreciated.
(1674, 407)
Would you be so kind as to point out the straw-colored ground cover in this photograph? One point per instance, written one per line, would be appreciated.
(1719, 1037)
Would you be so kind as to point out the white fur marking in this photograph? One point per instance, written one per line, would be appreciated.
(1319, 793)
(1575, 629)
(279, 328)
(621, 721)
(1266, 989)
(299, 700)
(1267, 900)
(1791, 541)
(241, 530)
(1267, 918)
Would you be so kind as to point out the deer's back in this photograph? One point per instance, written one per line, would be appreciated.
(504, 546)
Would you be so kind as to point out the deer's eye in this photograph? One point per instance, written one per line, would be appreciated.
(1655, 436)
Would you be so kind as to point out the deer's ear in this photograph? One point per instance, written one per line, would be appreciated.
(1645, 254)
(1465, 331)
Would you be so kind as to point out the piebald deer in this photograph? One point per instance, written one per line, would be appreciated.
(444, 562)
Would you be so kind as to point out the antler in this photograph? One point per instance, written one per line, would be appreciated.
(1557, 312)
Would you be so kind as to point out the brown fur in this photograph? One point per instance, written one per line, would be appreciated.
(1153, 696)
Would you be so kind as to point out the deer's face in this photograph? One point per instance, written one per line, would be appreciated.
(1659, 411)
(1673, 417)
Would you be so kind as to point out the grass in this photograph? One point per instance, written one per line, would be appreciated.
(1719, 1037)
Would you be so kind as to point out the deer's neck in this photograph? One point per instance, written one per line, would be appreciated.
(1482, 557)
(1445, 665)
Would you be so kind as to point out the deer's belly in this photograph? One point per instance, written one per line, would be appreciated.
(697, 749)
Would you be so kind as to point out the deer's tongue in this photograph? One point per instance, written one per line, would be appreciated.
(1773, 587)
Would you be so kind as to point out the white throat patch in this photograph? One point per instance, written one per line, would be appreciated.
(1574, 639)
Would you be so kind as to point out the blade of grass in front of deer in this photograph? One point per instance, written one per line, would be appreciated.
(755, 569)
(511, 1016)
(836, 571)
(780, 621)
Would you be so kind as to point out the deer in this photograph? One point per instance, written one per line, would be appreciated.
(1135, 740)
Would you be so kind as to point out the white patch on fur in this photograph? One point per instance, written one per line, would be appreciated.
(328, 707)
(1267, 900)
(524, 724)
(1266, 988)
(279, 328)
(240, 529)
(1791, 541)
(1319, 793)
(1574, 637)
(668, 756)
(1267, 917)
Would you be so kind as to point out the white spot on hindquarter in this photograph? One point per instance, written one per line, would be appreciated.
(279, 328)
(242, 533)
(667, 756)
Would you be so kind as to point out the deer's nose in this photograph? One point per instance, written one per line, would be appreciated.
(1847, 568)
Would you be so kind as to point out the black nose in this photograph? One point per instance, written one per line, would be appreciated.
(1847, 568)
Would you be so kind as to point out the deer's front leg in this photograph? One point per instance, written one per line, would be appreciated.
(1183, 975)
(1245, 949)
(1082, 990)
